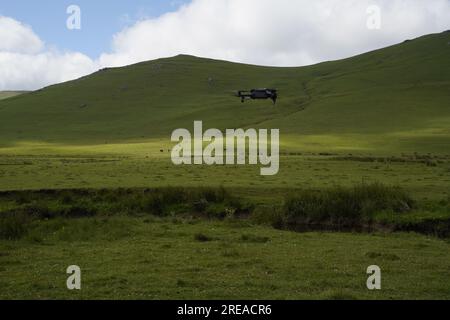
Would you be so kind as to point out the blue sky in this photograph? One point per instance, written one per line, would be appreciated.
(101, 19)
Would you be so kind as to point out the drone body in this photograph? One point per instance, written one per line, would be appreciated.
(256, 94)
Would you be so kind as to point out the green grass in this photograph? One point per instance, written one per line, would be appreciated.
(341, 208)
(147, 258)
(129, 250)
(362, 208)
(49, 204)
(150, 168)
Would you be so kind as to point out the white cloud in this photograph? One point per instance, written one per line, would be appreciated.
(267, 32)
(281, 32)
(19, 38)
(27, 64)
(32, 71)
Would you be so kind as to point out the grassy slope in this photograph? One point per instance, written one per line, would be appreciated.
(391, 100)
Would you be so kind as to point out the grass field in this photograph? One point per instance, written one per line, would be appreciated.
(382, 117)
(131, 258)
(426, 177)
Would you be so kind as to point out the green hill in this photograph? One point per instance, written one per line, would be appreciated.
(9, 94)
(391, 100)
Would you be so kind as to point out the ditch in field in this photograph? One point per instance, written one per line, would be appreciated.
(361, 208)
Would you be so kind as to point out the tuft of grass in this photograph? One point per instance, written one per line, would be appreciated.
(365, 207)
(13, 226)
(254, 238)
(77, 203)
(268, 215)
(339, 295)
(200, 237)
(341, 206)
(386, 256)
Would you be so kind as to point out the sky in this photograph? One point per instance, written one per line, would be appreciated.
(101, 19)
(41, 42)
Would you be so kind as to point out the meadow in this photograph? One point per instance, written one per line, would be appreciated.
(426, 176)
(86, 178)
(129, 251)
(166, 258)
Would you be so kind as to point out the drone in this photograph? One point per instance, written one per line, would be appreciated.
(257, 94)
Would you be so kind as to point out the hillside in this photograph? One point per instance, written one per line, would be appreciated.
(393, 100)
(9, 94)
